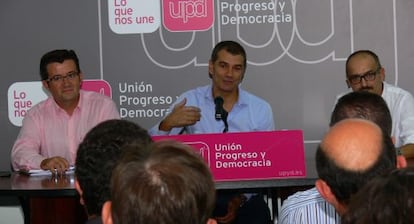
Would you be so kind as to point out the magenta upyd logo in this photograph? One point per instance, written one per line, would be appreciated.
(187, 15)
(97, 85)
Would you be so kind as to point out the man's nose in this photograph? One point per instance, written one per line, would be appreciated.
(230, 72)
(364, 82)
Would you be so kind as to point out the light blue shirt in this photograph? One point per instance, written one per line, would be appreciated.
(250, 113)
(307, 207)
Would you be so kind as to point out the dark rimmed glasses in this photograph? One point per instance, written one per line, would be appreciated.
(367, 76)
(59, 78)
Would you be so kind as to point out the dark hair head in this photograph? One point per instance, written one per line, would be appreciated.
(97, 156)
(364, 105)
(364, 52)
(57, 56)
(384, 200)
(230, 46)
(345, 182)
(166, 183)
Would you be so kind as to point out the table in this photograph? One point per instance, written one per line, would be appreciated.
(59, 194)
(50, 186)
(55, 196)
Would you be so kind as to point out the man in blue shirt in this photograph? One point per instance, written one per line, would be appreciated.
(196, 112)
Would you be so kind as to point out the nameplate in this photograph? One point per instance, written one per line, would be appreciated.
(249, 155)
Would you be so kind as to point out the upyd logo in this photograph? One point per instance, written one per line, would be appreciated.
(188, 15)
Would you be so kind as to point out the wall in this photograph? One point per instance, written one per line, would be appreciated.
(296, 51)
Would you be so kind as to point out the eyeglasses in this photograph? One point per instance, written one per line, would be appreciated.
(59, 78)
(368, 76)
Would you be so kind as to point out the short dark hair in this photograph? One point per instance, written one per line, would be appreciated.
(364, 105)
(97, 156)
(366, 52)
(165, 183)
(59, 56)
(385, 199)
(230, 46)
(344, 182)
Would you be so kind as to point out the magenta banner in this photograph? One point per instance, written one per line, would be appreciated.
(250, 155)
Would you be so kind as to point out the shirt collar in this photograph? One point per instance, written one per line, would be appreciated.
(243, 99)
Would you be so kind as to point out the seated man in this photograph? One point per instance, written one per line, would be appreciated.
(165, 183)
(385, 199)
(97, 156)
(309, 206)
(364, 72)
(53, 129)
(223, 106)
(351, 153)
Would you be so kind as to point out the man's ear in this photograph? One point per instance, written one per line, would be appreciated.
(401, 162)
(106, 213)
(211, 221)
(325, 191)
(45, 84)
(382, 73)
(79, 190)
(210, 69)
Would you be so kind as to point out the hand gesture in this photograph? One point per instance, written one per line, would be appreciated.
(181, 116)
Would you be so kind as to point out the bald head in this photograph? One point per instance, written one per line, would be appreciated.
(353, 144)
(351, 153)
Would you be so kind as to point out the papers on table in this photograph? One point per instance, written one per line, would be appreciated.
(40, 172)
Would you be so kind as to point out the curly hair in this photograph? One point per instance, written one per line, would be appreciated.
(98, 155)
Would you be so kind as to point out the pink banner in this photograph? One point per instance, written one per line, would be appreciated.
(250, 155)
(97, 85)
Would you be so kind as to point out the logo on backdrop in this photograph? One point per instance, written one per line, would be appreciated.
(24, 95)
(188, 15)
(137, 16)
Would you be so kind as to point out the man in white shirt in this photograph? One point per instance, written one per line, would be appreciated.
(365, 73)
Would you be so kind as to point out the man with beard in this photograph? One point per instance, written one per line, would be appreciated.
(365, 73)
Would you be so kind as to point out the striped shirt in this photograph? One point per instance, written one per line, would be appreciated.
(307, 207)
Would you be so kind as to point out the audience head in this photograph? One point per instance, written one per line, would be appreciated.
(364, 72)
(57, 56)
(166, 183)
(363, 105)
(97, 156)
(352, 152)
(386, 199)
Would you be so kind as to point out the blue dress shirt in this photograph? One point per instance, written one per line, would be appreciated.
(250, 113)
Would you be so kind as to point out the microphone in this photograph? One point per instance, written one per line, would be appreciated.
(221, 113)
(218, 101)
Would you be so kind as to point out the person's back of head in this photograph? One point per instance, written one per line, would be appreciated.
(387, 199)
(166, 183)
(352, 152)
(364, 105)
(98, 155)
